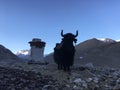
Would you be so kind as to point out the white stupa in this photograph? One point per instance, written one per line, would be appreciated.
(37, 50)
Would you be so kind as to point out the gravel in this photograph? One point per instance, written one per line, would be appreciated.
(47, 77)
(15, 79)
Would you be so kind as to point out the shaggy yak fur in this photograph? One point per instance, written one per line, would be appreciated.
(64, 51)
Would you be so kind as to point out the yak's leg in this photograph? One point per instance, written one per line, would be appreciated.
(67, 68)
(60, 67)
(64, 67)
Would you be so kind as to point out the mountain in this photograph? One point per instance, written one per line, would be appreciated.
(6, 53)
(98, 52)
(7, 57)
(103, 52)
(49, 58)
(25, 54)
(88, 45)
(107, 40)
(118, 40)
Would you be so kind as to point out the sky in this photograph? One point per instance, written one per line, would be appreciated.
(23, 20)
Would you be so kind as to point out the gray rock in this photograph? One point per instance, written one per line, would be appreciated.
(89, 65)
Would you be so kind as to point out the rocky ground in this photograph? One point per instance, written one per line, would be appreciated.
(14, 79)
(47, 77)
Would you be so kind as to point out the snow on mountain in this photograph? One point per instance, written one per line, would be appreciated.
(23, 54)
(118, 40)
(107, 40)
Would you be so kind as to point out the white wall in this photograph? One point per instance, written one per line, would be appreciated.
(37, 54)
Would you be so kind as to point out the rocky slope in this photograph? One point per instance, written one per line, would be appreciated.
(47, 77)
(98, 53)
(6, 56)
(6, 53)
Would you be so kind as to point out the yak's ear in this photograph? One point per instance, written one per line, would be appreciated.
(75, 40)
(62, 33)
(76, 33)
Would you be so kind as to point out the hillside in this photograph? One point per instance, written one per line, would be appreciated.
(100, 54)
(6, 53)
(95, 51)
(6, 56)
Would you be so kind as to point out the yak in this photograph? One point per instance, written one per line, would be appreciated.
(64, 52)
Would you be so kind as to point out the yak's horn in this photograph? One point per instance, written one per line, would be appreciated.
(62, 33)
(76, 33)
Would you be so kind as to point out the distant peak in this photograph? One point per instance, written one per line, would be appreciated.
(24, 52)
(106, 40)
(118, 40)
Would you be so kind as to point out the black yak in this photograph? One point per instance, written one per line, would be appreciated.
(64, 51)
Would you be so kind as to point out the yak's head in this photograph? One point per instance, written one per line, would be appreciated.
(69, 36)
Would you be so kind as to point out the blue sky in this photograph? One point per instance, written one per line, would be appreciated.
(23, 20)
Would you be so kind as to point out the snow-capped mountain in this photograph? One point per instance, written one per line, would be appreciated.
(23, 54)
(118, 40)
(106, 40)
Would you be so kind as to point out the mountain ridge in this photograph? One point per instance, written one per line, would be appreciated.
(6, 53)
(25, 54)
(7, 57)
(97, 52)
